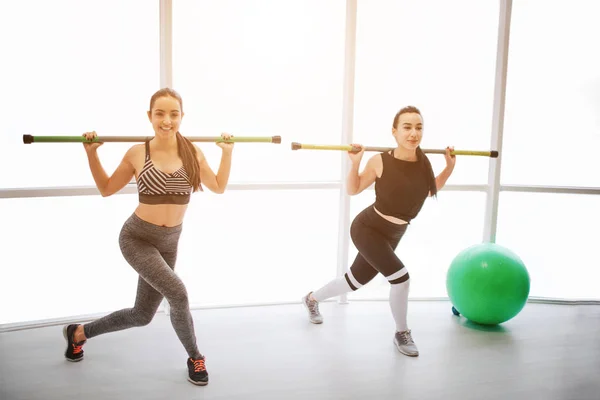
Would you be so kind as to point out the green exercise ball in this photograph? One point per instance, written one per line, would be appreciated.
(487, 284)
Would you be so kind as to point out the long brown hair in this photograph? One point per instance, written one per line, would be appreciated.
(420, 154)
(185, 148)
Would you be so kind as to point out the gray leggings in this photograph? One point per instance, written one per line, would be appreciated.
(152, 251)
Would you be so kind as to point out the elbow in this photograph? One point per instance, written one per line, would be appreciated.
(105, 192)
(104, 189)
(350, 189)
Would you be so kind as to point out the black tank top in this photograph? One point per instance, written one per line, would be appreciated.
(403, 186)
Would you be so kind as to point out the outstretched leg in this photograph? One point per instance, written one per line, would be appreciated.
(360, 274)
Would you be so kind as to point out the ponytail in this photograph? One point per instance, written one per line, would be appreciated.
(189, 155)
(427, 166)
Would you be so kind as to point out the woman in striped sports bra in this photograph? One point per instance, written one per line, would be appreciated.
(167, 169)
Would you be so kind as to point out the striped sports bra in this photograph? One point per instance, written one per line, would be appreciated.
(158, 187)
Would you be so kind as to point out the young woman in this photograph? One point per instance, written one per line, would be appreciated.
(403, 180)
(167, 168)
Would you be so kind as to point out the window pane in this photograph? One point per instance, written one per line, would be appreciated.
(236, 248)
(258, 246)
(552, 124)
(559, 248)
(65, 260)
(442, 229)
(73, 75)
(263, 68)
(438, 56)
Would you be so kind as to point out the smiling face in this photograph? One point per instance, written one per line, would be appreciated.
(165, 115)
(408, 130)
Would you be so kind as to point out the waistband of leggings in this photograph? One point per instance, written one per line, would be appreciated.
(150, 227)
(379, 222)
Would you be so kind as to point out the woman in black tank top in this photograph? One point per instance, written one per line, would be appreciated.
(403, 180)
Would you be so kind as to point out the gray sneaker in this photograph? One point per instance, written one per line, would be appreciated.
(313, 309)
(405, 344)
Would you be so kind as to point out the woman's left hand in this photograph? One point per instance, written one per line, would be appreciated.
(450, 159)
(224, 145)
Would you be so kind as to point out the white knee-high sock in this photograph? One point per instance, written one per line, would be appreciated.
(334, 288)
(399, 304)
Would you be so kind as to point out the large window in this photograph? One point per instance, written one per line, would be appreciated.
(258, 246)
(444, 227)
(75, 66)
(263, 68)
(62, 257)
(437, 55)
(556, 236)
(276, 68)
(237, 248)
(552, 123)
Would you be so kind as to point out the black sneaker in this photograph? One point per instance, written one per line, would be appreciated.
(197, 371)
(74, 350)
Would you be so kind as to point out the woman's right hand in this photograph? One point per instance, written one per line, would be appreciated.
(356, 157)
(91, 146)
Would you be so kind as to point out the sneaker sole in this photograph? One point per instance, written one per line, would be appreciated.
(313, 322)
(406, 354)
(198, 383)
(67, 340)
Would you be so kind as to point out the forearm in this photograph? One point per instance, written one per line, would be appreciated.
(353, 180)
(224, 170)
(100, 176)
(441, 179)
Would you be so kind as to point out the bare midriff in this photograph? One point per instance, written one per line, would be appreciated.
(394, 220)
(162, 214)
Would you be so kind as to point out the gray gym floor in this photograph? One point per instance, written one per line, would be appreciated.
(546, 352)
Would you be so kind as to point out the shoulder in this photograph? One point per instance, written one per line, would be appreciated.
(199, 153)
(135, 151)
(375, 163)
(135, 156)
(137, 148)
(375, 160)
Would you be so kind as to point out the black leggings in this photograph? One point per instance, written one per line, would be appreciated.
(376, 240)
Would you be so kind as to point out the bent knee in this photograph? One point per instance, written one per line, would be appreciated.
(141, 318)
(398, 277)
(179, 299)
(358, 279)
